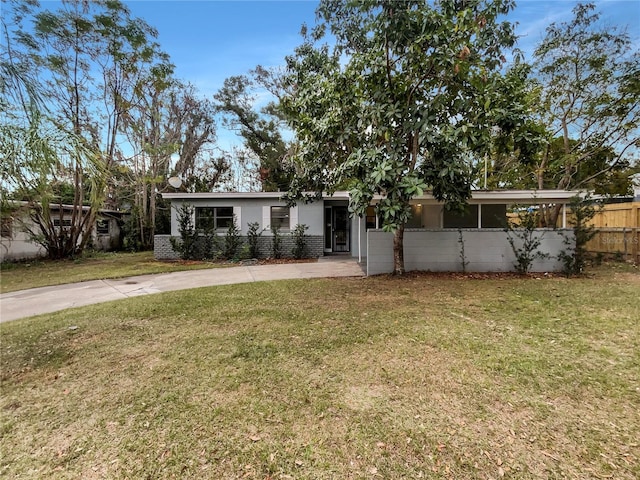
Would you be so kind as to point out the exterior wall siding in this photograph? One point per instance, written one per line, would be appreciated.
(19, 245)
(251, 211)
(162, 249)
(486, 250)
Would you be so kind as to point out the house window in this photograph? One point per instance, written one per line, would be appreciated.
(415, 220)
(66, 222)
(280, 217)
(370, 218)
(213, 218)
(102, 227)
(6, 227)
(468, 219)
(494, 216)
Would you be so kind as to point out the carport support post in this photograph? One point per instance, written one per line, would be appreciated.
(564, 215)
(359, 242)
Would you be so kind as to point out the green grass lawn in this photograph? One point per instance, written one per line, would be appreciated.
(42, 273)
(421, 377)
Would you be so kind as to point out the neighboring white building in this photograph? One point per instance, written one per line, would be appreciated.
(431, 239)
(15, 243)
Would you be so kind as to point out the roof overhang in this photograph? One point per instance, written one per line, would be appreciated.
(513, 196)
(340, 195)
(477, 196)
(65, 207)
(222, 195)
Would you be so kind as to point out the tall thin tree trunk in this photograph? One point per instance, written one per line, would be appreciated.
(542, 168)
(152, 217)
(398, 251)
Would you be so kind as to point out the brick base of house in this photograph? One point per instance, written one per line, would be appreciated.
(163, 250)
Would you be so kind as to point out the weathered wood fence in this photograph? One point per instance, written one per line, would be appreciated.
(617, 231)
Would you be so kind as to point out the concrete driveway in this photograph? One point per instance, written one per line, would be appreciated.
(36, 301)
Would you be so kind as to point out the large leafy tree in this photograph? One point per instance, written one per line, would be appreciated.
(589, 75)
(85, 57)
(400, 104)
(259, 127)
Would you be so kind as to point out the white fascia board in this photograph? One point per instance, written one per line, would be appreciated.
(221, 195)
(503, 196)
(477, 196)
(340, 195)
(530, 196)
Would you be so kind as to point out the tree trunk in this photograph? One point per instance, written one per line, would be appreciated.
(553, 216)
(398, 251)
(542, 168)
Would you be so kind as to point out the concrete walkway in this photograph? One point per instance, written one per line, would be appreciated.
(36, 301)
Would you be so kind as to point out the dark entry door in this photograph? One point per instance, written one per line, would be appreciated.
(340, 229)
(336, 229)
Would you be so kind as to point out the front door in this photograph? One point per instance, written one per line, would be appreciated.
(336, 233)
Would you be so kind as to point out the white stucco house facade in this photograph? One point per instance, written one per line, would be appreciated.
(432, 240)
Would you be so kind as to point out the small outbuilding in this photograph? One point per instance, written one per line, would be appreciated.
(17, 244)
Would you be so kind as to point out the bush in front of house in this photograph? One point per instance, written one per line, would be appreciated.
(232, 241)
(574, 258)
(525, 241)
(253, 239)
(186, 245)
(276, 242)
(299, 241)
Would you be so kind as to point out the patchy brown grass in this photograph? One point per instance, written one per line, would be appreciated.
(95, 266)
(101, 265)
(418, 377)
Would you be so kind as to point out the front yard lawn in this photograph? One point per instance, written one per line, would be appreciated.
(421, 377)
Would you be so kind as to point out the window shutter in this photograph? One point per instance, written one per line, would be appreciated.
(293, 217)
(266, 217)
(238, 218)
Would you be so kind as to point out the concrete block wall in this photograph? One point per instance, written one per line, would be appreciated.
(314, 249)
(162, 249)
(486, 250)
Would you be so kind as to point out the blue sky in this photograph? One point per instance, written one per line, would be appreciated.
(210, 40)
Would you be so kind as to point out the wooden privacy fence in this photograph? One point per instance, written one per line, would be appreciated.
(617, 231)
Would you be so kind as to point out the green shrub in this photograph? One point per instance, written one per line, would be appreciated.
(529, 241)
(186, 246)
(276, 243)
(232, 241)
(299, 241)
(207, 245)
(253, 238)
(574, 259)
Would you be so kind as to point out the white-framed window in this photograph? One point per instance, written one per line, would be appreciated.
(278, 216)
(213, 218)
